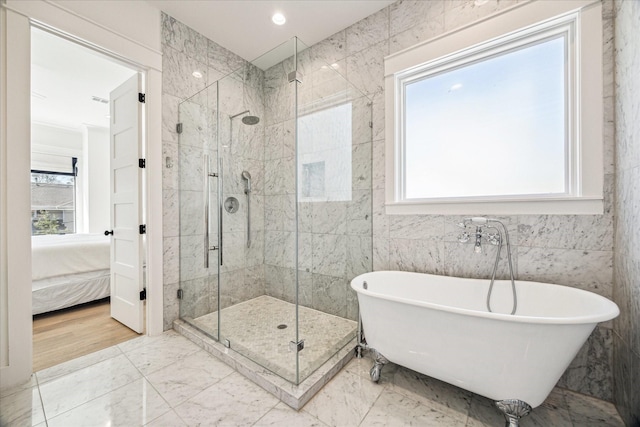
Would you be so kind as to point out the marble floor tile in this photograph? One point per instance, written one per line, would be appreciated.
(283, 415)
(484, 413)
(26, 386)
(233, 401)
(586, 411)
(345, 400)
(73, 365)
(22, 408)
(74, 389)
(363, 365)
(170, 419)
(187, 377)
(134, 404)
(157, 352)
(394, 409)
(433, 393)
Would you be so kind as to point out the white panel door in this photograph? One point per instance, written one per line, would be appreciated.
(126, 209)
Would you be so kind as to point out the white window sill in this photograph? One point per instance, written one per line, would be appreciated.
(554, 206)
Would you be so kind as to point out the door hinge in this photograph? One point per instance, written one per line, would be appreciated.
(143, 229)
(141, 97)
(143, 294)
(180, 293)
(179, 128)
(142, 163)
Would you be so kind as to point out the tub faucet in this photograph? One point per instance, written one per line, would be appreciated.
(478, 246)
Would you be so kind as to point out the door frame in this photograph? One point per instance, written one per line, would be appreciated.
(16, 351)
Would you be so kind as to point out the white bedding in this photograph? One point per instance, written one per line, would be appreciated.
(69, 290)
(58, 255)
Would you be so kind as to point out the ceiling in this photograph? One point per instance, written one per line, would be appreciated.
(65, 75)
(245, 28)
(64, 78)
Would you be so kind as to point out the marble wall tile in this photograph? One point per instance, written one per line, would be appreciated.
(367, 32)
(329, 254)
(425, 30)
(170, 213)
(378, 164)
(254, 254)
(587, 270)
(171, 305)
(170, 118)
(196, 297)
(171, 259)
(192, 212)
(590, 371)
(331, 49)
(191, 168)
(361, 166)
(359, 256)
(222, 59)
(421, 256)
(183, 39)
(460, 260)
(589, 232)
(416, 226)
(365, 69)
(329, 295)
(170, 166)
(329, 217)
(176, 74)
(380, 254)
(191, 256)
(359, 215)
(406, 14)
(626, 369)
(278, 280)
(280, 248)
(380, 219)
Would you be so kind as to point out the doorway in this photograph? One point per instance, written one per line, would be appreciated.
(74, 221)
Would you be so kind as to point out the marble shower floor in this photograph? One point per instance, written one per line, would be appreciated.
(252, 329)
(167, 380)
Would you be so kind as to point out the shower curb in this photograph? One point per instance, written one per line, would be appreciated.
(296, 396)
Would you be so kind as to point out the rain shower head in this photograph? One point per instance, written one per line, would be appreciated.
(250, 120)
(247, 120)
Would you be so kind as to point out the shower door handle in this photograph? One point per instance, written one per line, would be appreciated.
(207, 199)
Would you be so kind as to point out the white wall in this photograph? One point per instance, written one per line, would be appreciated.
(127, 29)
(51, 147)
(95, 147)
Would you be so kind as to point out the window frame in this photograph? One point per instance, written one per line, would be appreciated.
(502, 32)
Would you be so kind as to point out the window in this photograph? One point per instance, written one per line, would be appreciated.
(53, 207)
(502, 117)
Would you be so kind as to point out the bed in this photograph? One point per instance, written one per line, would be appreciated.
(68, 270)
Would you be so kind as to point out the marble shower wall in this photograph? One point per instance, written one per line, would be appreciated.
(334, 162)
(626, 291)
(564, 249)
(239, 88)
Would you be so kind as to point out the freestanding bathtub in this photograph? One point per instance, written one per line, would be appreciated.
(440, 326)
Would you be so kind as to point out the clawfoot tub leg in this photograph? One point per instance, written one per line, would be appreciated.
(513, 410)
(378, 362)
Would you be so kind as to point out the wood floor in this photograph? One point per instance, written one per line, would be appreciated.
(66, 334)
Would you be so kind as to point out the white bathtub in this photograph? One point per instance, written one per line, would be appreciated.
(440, 326)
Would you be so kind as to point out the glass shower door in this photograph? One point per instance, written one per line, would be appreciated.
(198, 187)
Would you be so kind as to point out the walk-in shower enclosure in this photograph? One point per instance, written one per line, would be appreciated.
(275, 209)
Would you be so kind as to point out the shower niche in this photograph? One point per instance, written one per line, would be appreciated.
(275, 215)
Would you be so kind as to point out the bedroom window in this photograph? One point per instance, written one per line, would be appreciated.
(53, 201)
(502, 117)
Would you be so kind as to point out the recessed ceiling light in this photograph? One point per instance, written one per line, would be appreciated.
(197, 74)
(278, 18)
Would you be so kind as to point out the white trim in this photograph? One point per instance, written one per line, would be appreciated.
(17, 128)
(588, 190)
(18, 204)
